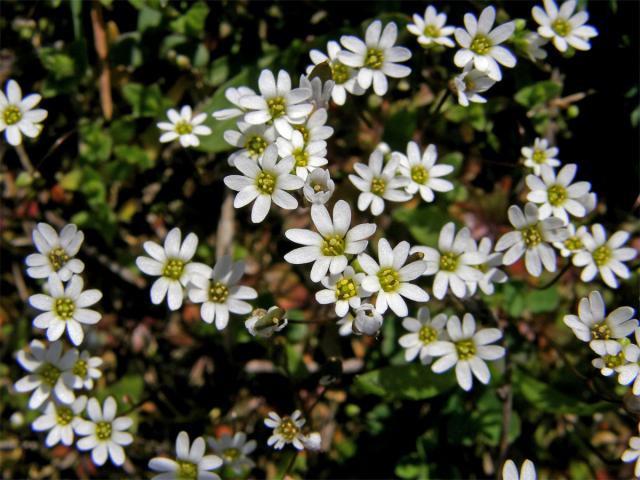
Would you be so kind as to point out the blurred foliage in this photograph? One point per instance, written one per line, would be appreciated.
(100, 165)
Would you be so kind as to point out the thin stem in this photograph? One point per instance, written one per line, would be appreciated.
(292, 461)
(554, 279)
(25, 160)
(443, 99)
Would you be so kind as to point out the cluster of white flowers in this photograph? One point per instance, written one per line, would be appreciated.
(481, 52)
(454, 342)
(55, 373)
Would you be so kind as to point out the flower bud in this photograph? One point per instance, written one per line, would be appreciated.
(368, 321)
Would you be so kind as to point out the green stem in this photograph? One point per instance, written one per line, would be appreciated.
(292, 461)
(441, 102)
(554, 279)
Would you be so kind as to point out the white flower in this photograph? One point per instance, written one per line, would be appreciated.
(306, 156)
(633, 453)
(263, 182)
(50, 371)
(320, 91)
(470, 83)
(480, 43)
(329, 246)
(527, 471)
(103, 433)
(344, 290)
(390, 277)
(86, 368)
(252, 140)
(367, 321)
(173, 265)
(540, 154)
(184, 126)
(285, 430)
(313, 129)
(467, 350)
(313, 442)
(346, 324)
(376, 57)
(66, 308)
(60, 421)
(17, 115)
(424, 331)
(422, 171)
(531, 237)
(611, 357)
(563, 26)
(233, 95)
(219, 293)
(234, 451)
(56, 253)
(604, 256)
(556, 194)
(318, 187)
(344, 77)
(453, 262)
(490, 272)
(533, 43)
(378, 184)
(630, 372)
(191, 461)
(431, 29)
(264, 323)
(574, 243)
(591, 325)
(277, 102)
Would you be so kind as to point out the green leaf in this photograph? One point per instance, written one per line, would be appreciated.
(130, 386)
(546, 398)
(145, 101)
(414, 382)
(59, 64)
(95, 142)
(424, 222)
(400, 126)
(192, 22)
(538, 93)
(133, 155)
(148, 18)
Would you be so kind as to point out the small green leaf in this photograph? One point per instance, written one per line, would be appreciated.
(538, 93)
(414, 382)
(192, 21)
(145, 101)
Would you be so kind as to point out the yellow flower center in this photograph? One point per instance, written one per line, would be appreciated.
(378, 186)
(11, 115)
(431, 31)
(230, 454)
(64, 308)
(469, 84)
(256, 145)
(449, 262)
(573, 244)
(557, 195)
(57, 258)
(465, 349)
(49, 374)
(601, 331)
(346, 288)
(339, 72)
(531, 236)
(374, 59)
(173, 269)
(427, 334)
(266, 182)
(304, 131)
(218, 292)
(288, 429)
(333, 246)
(183, 128)
(601, 255)
(613, 361)
(539, 156)
(64, 415)
(187, 470)
(480, 44)
(561, 26)
(103, 431)
(389, 279)
(419, 174)
(301, 157)
(277, 107)
(81, 368)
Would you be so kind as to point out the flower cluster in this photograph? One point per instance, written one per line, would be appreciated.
(55, 373)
